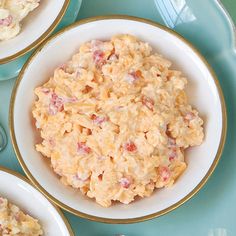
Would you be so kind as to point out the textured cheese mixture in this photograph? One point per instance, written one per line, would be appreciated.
(115, 120)
(12, 12)
(13, 222)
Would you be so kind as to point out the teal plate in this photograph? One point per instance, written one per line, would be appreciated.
(211, 212)
(12, 69)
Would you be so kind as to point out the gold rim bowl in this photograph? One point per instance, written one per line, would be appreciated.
(40, 39)
(110, 220)
(21, 177)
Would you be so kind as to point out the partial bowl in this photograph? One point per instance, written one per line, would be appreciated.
(35, 29)
(203, 90)
(21, 193)
(11, 69)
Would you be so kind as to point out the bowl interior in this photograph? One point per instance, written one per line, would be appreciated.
(32, 202)
(33, 26)
(201, 89)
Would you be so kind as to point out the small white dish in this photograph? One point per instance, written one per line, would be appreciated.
(21, 193)
(35, 28)
(203, 90)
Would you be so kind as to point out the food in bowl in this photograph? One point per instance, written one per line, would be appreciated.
(12, 12)
(115, 120)
(15, 222)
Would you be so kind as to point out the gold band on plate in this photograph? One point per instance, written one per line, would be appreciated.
(38, 41)
(109, 220)
(17, 175)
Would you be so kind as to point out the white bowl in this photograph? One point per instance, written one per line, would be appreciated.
(20, 192)
(203, 90)
(35, 28)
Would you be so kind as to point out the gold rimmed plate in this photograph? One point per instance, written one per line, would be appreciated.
(206, 96)
(36, 27)
(19, 191)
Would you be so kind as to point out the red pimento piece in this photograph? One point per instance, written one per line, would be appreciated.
(189, 116)
(164, 172)
(82, 148)
(56, 104)
(98, 120)
(148, 102)
(130, 146)
(172, 145)
(173, 154)
(125, 182)
(6, 21)
(98, 57)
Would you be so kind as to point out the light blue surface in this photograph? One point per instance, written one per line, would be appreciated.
(214, 206)
(12, 69)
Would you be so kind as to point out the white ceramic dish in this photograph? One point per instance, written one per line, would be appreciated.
(35, 28)
(18, 191)
(203, 90)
